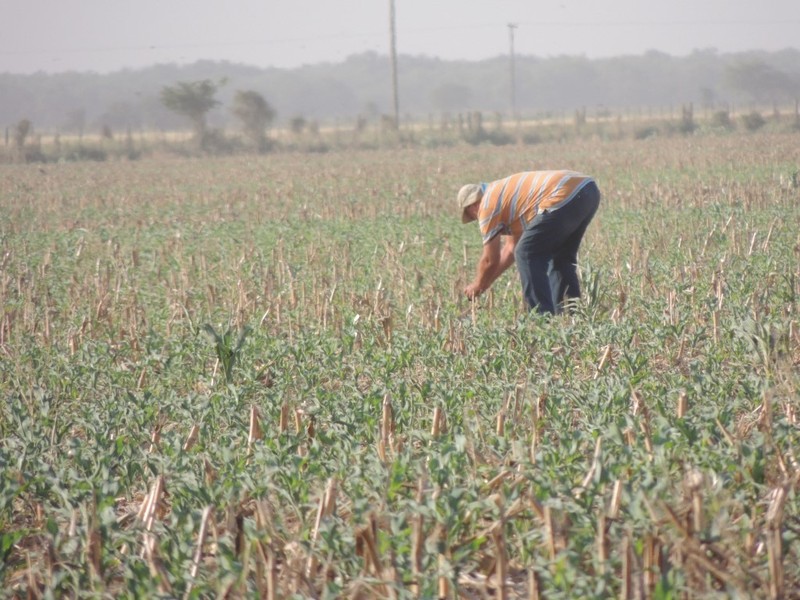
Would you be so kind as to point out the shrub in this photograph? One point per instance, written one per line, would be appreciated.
(642, 133)
(722, 120)
(86, 153)
(687, 124)
(753, 121)
(530, 138)
(297, 125)
(216, 143)
(496, 138)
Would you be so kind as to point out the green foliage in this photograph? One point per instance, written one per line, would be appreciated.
(449, 97)
(342, 91)
(256, 115)
(762, 81)
(193, 99)
(228, 347)
(86, 153)
(297, 125)
(721, 119)
(21, 131)
(753, 121)
(642, 133)
(483, 136)
(338, 279)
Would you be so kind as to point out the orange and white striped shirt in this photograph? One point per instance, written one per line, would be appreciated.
(509, 204)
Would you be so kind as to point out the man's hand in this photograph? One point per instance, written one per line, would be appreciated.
(472, 291)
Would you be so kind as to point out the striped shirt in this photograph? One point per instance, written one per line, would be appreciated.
(511, 203)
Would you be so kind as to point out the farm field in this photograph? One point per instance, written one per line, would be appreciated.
(257, 377)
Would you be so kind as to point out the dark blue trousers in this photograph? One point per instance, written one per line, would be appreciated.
(547, 252)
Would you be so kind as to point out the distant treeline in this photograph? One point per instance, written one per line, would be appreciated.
(358, 90)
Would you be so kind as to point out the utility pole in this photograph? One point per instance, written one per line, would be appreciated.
(393, 56)
(511, 28)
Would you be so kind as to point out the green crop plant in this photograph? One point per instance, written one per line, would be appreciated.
(377, 435)
(228, 347)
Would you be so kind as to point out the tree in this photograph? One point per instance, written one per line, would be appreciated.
(21, 132)
(76, 121)
(451, 96)
(256, 115)
(192, 99)
(297, 125)
(761, 81)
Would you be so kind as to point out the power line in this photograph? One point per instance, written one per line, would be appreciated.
(407, 31)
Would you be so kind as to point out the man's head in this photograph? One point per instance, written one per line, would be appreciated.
(468, 196)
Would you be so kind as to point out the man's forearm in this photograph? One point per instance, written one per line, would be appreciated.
(493, 262)
(489, 271)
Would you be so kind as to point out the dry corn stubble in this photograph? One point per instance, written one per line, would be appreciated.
(682, 359)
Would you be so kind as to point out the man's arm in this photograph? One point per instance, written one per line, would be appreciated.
(493, 262)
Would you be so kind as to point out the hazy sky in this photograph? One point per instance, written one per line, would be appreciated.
(108, 35)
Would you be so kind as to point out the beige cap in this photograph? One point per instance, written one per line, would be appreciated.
(467, 196)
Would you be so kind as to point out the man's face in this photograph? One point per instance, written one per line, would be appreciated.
(471, 212)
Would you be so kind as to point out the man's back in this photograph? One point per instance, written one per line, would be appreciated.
(509, 204)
